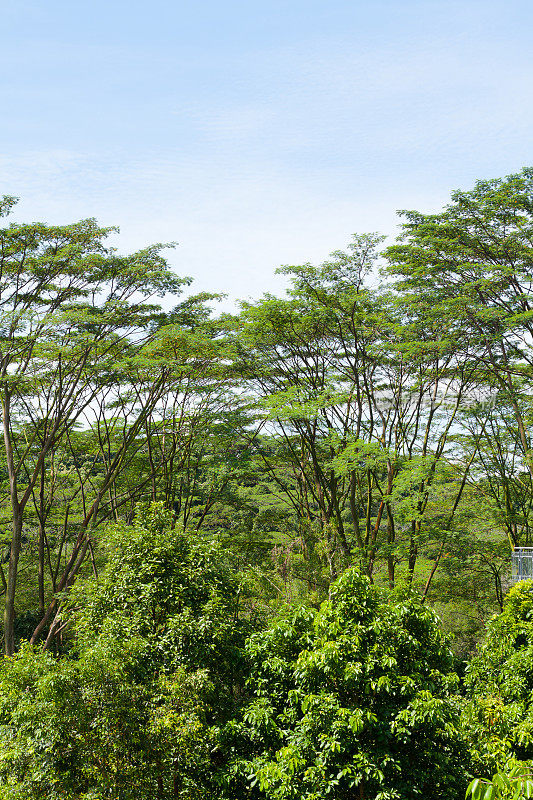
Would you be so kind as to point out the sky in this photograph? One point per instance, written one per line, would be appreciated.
(257, 134)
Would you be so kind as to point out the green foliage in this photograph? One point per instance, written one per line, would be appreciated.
(353, 700)
(155, 665)
(337, 426)
(512, 783)
(498, 716)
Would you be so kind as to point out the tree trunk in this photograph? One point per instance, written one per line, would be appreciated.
(390, 541)
(40, 576)
(413, 552)
(9, 610)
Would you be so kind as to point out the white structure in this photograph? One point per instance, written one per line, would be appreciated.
(522, 564)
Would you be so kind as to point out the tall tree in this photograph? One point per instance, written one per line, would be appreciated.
(365, 398)
(469, 269)
(71, 310)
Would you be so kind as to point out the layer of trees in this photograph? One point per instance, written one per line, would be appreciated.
(354, 455)
(170, 686)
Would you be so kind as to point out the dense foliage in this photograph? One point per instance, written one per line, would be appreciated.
(155, 662)
(353, 700)
(226, 542)
(499, 680)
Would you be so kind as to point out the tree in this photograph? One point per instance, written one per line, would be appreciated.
(155, 668)
(364, 397)
(71, 311)
(355, 700)
(498, 716)
(469, 269)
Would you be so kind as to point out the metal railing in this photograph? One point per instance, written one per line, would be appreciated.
(522, 564)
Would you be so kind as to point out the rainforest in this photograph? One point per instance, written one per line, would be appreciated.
(265, 554)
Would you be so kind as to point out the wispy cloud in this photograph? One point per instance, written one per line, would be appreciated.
(257, 137)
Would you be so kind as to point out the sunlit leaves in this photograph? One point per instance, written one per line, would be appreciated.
(358, 694)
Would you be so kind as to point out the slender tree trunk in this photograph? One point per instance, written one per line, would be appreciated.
(82, 544)
(40, 576)
(9, 610)
(390, 541)
(41, 565)
(16, 541)
(354, 511)
(413, 551)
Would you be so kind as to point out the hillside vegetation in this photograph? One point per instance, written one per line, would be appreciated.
(266, 555)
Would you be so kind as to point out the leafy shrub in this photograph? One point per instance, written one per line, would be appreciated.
(353, 701)
(498, 715)
(156, 660)
(512, 783)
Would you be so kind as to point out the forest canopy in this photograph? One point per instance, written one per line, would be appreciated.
(266, 554)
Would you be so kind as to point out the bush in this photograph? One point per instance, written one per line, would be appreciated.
(355, 700)
(156, 661)
(498, 715)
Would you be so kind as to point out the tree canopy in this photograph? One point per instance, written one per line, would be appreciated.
(265, 555)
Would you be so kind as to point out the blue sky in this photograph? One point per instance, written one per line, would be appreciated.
(258, 133)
